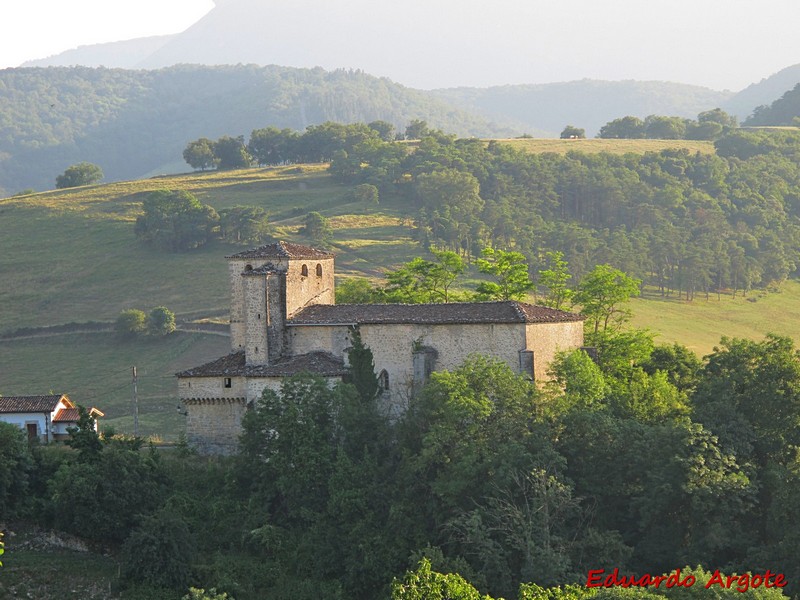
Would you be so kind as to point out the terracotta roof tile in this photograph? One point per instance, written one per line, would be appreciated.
(233, 365)
(66, 415)
(431, 314)
(31, 404)
(283, 250)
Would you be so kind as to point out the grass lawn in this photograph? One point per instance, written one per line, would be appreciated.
(95, 370)
(700, 324)
(593, 146)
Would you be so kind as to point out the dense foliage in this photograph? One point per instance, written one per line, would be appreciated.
(632, 461)
(134, 122)
(688, 224)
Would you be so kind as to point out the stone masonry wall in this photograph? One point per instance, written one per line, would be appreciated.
(546, 339)
(214, 426)
(211, 387)
(305, 290)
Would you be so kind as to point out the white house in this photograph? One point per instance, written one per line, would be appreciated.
(45, 418)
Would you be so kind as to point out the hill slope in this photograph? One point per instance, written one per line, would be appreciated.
(588, 104)
(133, 123)
(764, 92)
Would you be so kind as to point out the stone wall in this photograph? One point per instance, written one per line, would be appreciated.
(546, 339)
(211, 387)
(213, 426)
(304, 286)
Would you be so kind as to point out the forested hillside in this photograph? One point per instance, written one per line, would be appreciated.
(133, 123)
(587, 104)
(784, 111)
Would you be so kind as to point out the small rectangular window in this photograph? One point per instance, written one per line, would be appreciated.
(227, 382)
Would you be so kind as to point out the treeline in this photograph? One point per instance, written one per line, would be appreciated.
(646, 460)
(710, 125)
(133, 122)
(688, 224)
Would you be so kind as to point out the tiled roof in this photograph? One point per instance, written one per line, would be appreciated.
(66, 415)
(283, 250)
(507, 311)
(233, 365)
(31, 404)
(225, 366)
(264, 270)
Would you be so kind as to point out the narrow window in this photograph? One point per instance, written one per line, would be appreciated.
(304, 271)
(383, 380)
(319, 270)
(227, 382)
(248, 268)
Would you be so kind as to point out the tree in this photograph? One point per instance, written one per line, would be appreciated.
(83, 437)
(15, 465)
(231, 153)
(603, 296)
(367, 195)
(161, 321)
(199, 154)
(426, 584)
(176, 220)
(362, 368)
(130, 323)
(384, 129)
(510, 270)
(457, 190)
(244, 224)
(626, 127)
(421, 281)
(159, 552)
(417, 129)
(554, 281)
(571, 132)
(664, 128)
(357, 290)
(80, 174)
(318, 228)
(272, 146)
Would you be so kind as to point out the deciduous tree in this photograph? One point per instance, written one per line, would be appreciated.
(80, 174)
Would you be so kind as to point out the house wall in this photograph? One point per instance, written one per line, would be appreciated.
(21, 420)
(547, 339)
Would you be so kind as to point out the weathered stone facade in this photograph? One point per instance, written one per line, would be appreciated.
(284, 321)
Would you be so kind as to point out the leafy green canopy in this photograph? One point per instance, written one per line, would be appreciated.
(176, 220)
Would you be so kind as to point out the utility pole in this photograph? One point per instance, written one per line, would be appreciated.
(135, 404)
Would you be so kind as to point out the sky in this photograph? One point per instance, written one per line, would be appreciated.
(31, 29)
(722, 44)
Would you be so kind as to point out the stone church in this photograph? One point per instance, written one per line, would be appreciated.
(284, 322)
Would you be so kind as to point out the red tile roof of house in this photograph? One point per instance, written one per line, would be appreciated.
(32, 404)
(66, 415)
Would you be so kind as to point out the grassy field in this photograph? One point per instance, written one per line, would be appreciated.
(71, 255)
(95, 370)
(700, 324)
(594, 146)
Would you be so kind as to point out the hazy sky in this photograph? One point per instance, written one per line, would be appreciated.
(723, 44)
(32, 29)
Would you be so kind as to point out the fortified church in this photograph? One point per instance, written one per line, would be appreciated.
(284, 322)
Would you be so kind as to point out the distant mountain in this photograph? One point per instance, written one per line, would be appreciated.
(784, 111)
(124, 55)
(587, 103)
(135, 123)
(763, 93)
